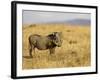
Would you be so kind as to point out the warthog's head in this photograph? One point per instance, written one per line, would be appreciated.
(57, 38)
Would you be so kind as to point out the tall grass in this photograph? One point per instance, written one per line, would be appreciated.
(74, 52)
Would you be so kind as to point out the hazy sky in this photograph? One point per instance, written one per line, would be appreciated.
(32, 17)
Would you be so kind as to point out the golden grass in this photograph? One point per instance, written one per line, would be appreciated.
(74, 52)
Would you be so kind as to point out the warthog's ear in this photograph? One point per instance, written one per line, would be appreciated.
(54, 35)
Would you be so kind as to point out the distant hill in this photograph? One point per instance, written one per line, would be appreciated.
(79, 22)
(73, 22)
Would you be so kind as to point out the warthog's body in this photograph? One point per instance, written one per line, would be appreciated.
(45, 42)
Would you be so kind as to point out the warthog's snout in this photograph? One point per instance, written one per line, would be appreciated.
(58, 43)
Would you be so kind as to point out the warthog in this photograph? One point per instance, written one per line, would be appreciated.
(45, 42)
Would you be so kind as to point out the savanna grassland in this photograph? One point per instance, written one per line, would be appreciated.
(74, 52)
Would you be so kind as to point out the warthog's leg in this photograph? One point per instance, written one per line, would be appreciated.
(30, 52)
(52, 50)
(31, 49)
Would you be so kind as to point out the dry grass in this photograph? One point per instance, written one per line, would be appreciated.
(74, 52)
